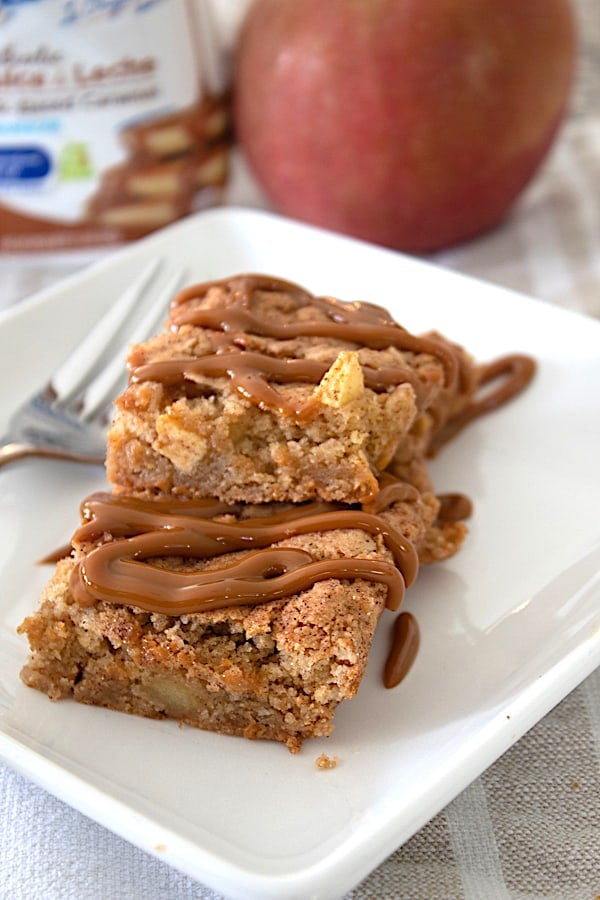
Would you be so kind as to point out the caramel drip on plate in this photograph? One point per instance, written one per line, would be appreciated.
(516, 370)
(454, 507)
(514, 373)
(55, 555)
(405, 645)
(119, 570)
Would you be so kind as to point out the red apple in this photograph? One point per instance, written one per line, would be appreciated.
(410, 123)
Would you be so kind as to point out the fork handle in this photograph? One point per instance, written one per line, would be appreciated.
(14, 451)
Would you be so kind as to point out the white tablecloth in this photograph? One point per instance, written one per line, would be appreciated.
(529, 827)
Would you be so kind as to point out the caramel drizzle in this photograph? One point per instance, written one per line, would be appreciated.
(56, 555)
(119, 570)
(391, 491)
(403, 651)
(514, 371)
(363, 324)
(454, 507)
(249, 371)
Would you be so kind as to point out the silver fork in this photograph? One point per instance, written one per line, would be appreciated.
(68, 418)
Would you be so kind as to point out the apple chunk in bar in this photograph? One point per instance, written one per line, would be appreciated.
(260, 391)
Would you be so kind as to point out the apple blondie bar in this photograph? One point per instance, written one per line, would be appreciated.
(259, 391)
(246, 620)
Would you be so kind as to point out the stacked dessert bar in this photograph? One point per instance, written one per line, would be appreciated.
(175, 163)
(270, 498)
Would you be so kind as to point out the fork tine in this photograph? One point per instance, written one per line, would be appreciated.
(102, 389)
(77, 368)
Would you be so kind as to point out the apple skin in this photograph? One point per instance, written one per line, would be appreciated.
(409, 123)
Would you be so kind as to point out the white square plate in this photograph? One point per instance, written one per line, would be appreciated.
(509, 626)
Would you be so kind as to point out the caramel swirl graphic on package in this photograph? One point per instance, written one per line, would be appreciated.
(173, 160)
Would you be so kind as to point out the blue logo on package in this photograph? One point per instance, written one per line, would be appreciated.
(23, 163)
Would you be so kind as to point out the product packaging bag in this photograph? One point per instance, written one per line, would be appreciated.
(114, 119)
